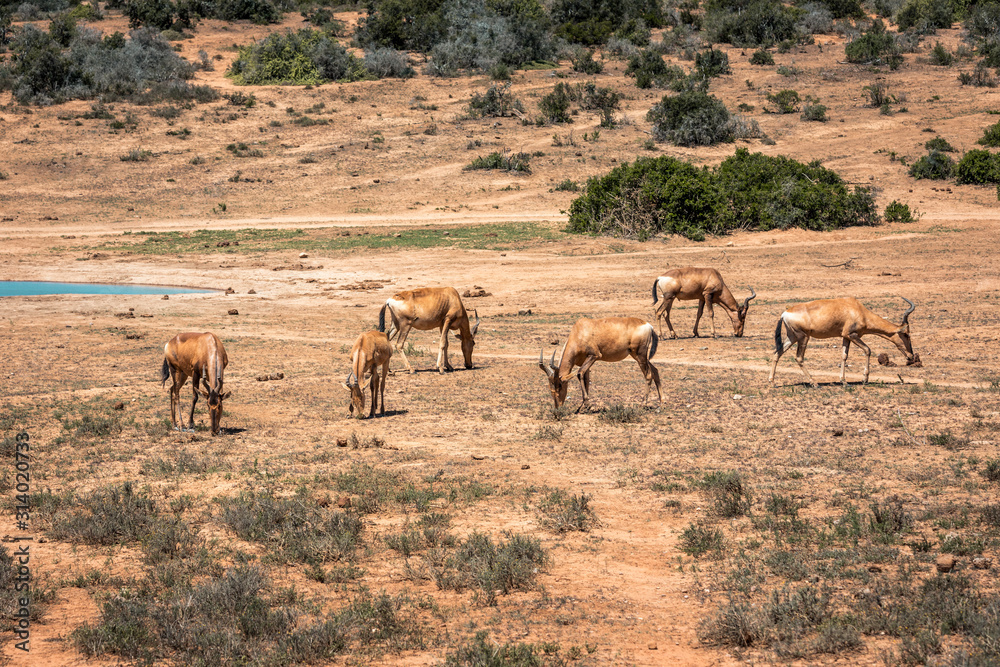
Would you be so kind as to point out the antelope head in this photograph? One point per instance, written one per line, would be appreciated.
(902, 335)
(470, 342)
(557, 385)
(741, 314)
(215, 398)
(357, 395)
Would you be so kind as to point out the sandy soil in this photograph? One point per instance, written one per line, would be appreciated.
(624, 587)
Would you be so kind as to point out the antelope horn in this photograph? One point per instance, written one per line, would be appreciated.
(541, 363)
(350, 377)
(746, 304)
(552, 363)
(906, 315)
(475, 327)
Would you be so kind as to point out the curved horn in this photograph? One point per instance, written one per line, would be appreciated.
(906, 315)
(475, 327)
(746, 304)
(541, 363)
(350, 377)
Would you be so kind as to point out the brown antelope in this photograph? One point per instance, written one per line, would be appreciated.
(705, 285)
(609, 339)
(201, 357)
(430, 308)
(370, 351)
(830, 318)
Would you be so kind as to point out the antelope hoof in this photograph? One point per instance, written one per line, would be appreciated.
(673, 336)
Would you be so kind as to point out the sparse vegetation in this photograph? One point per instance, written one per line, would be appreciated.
(504, 160)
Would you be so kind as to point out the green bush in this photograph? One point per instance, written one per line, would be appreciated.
(504, 160)
(935, 166)
(306, 57)
(555, 105)
(157, 14)
(649, 70)
(991, 137)
(978, 167)
(762, 57)
(815, 112)
(62, 29)
(785, 101)
(939, 144)
(113, 67)
(875, 47)
(940, 56)
(897, 211)
(593, 21)
(712, 63)
(925, 16)
(692, 118)
(496, 102)
(583, 61)
(756, 23)
(481, 35)
(411, 25)
(747, 191)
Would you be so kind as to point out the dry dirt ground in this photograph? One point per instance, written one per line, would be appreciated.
(621, 592)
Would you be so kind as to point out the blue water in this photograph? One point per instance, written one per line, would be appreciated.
(29, 288)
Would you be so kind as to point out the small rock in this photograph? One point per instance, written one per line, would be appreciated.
(276, 376)
(397, 236)
(652, 646)
(837, 432)
(477, 457)
(525, 467)
(120, 405)
(233, 311)
(524, 311)
(302, 255)
(982, 563)
(874, 568)
(230, 290)
(252, 291)
(945, 563)
(342, 442)
(916, 363)
(737, 397)
(344, 502)
(166, 297)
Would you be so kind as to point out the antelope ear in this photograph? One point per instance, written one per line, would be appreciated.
(203, 393)
(226, 395)
(566, 378)
(345, 386)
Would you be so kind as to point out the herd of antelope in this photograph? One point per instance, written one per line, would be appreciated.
(203, 358)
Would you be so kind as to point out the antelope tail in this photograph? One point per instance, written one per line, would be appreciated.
(777, 335)
(381, 318)
(164, 372)
(651, 350)
(655, 297)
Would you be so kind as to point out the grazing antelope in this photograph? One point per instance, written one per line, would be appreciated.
(201, 357)
(829, 318)
(609, 339)
(430, 308)
(370, 351)
(705, 285)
